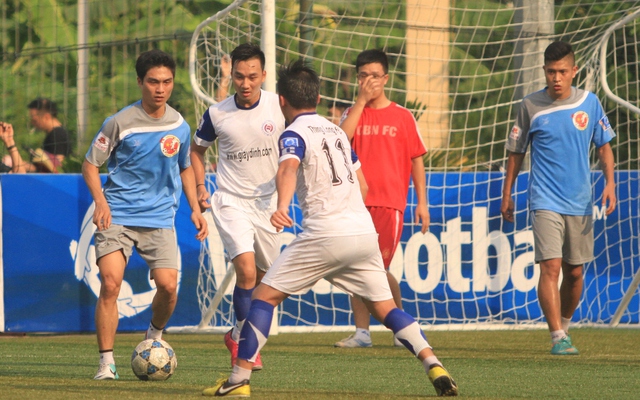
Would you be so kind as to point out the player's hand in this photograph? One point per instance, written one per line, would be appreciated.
(201, 225)
(609, 198)
(369, 88)
(102, 216)
(203, 198)
(506, 208)
(281, 218)
(6, 133)
(225, 66)
(422, 215)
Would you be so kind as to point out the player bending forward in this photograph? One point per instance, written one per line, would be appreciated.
(338, 241)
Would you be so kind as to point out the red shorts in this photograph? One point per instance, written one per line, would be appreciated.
(388, 223)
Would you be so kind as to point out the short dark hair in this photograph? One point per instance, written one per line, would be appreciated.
(247, 51)
(154, 58)
(43, 104)
(556, 51)
(373, 56)
(299, 84)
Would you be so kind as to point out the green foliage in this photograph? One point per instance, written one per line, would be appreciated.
(39, 57)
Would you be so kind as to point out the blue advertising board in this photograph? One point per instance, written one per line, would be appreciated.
(470, 266)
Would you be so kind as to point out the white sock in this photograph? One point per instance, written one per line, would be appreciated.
(153, 332)
(235, 334)
(557, 335)
(565, 324)
(428, 362)
(239, 374)
(363, 333)
(106, 357)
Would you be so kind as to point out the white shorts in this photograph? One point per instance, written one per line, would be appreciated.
(352, 263)
(244, 226)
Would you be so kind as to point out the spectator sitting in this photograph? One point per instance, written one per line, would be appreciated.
(55, 147)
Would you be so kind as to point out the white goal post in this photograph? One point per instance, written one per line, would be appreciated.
(459, 67)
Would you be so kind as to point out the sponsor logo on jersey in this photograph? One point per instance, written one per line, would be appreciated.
(269, 128)
(515, 132)
(169, 145)
(102, 142)
(604, 123)
(580, 120)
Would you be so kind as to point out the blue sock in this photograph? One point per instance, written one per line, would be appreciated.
(241, 302)
(407, 330)
(255, 330)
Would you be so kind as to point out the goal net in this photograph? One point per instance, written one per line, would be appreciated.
(462, 68)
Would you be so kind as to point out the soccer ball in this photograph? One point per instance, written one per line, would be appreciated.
(153, 360)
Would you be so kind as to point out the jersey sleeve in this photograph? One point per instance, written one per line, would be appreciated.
(602, 131)
(184, 161)
(519, 135)
(355, 160)
(418, 149)
(103, 143)
(206, 133)
(291, 145)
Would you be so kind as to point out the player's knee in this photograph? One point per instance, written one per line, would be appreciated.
(168, 287)
(110, 288)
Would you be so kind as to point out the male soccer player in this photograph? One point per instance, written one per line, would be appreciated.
(560, 122)
(338, 241)
(385, 137)
(247, 126)
(147, 148)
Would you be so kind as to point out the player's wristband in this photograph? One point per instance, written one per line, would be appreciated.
(11, 147)
(199, 184)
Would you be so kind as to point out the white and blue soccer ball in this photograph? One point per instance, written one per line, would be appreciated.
(153, 360)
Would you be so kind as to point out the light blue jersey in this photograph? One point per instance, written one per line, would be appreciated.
(145, 156)
(560, 133)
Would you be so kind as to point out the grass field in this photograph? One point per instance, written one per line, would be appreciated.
(485, 364)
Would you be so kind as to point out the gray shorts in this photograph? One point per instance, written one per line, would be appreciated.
(158, 247)
(569, 237)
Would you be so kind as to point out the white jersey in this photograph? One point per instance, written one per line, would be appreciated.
(327, 185)
(247, 144)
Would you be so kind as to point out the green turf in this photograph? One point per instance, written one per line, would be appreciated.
(485, 364)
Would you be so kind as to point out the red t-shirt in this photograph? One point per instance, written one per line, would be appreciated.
(386, 140)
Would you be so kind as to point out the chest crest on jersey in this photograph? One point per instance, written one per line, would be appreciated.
(169, 145)
(269, 128)
(580, 120)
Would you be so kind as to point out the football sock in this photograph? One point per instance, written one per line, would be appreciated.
(363, 333)
(241, 305)
(407, 330)
(430, 362)
(239, 374)
(106, 357)
(153, 332)
(255, 330)
(557, 335)
(565, 324)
